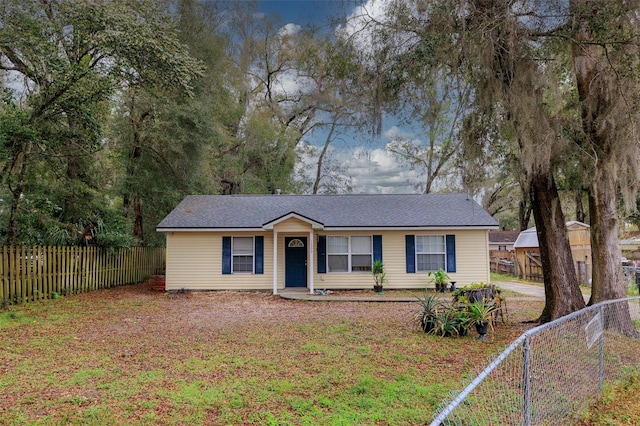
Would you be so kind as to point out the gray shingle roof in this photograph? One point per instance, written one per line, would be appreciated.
(503, 236)
(333, 211)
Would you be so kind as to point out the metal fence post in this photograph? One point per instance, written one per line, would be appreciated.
(526, 383)
(601, 353)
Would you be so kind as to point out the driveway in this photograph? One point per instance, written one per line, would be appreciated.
(525, 289)
(532, 290)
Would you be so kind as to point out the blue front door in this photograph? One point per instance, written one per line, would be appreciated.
(295, 260)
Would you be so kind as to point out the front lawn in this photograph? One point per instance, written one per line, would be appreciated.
(133, 356)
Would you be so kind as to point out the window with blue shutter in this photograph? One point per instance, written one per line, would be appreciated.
(377, 247)
(426, 253)
(259, 255)
(226, 255)
(451, 253)
(410, 247)
(322, 254)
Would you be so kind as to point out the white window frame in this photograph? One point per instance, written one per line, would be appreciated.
(252, 255)
(443, 253)
(349, 253)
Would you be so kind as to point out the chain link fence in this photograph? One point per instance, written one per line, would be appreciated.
(552, 370)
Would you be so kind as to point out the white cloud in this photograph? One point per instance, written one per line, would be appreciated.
(370, 171)
(360, 26)
(376, 171)
(367, 22)
(289, 29)
(396, 134)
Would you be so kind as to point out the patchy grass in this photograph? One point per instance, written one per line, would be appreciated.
(618, 406)
(133, 356)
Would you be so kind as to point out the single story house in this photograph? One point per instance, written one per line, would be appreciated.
(630, 246)
(502, 240)
(273, 242)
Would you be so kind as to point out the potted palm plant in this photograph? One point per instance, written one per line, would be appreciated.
(480, 314)
(440, 278)
(379, 277)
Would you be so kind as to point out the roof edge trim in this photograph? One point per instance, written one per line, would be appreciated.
(314, 223)
(196, 229)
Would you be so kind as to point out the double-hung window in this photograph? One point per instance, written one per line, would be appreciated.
(361, 254)
(430, 252)
(349, 254)
(242, 255)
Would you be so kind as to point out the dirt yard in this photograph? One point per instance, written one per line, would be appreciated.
(137, 356)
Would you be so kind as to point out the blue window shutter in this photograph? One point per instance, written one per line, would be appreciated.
(377, 247)
(322, 254)
(410, 244)
(226, 255)
(451, 253)
(259, 254)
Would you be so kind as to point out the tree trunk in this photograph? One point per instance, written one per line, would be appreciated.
(11, 234)
(137, 221)
(562, 291)
(15, 182)
(580, 213)
(607, 280)
(524, 213)
(598, 92)
(327, 141)
(596, 102)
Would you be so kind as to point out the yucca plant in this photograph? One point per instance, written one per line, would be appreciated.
(430, 307)
(379, 277)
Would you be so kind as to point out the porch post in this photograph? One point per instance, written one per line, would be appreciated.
(310, 272)
(275, 262)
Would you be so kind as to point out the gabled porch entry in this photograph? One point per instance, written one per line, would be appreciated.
(298, 251)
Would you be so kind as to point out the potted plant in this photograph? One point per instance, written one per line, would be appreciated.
(427, 316)
(440, 278)
(480, 314)
(440, 318)
(476, 292)
(447, 323)
(379, 276)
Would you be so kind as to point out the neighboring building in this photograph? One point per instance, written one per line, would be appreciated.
(501, 252)
(502, 240)
(528, 264)
(272, 242)
(630, 246)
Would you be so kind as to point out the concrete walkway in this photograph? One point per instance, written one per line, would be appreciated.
(526, 290)
(303, 294)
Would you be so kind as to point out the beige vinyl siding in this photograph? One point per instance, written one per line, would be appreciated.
(293, 225)
(472, 262)
(194, 262)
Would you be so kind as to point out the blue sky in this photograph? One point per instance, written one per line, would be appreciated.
(369, 166)
(316, 12)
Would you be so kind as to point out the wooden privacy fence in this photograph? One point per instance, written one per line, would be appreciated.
(32, 273)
